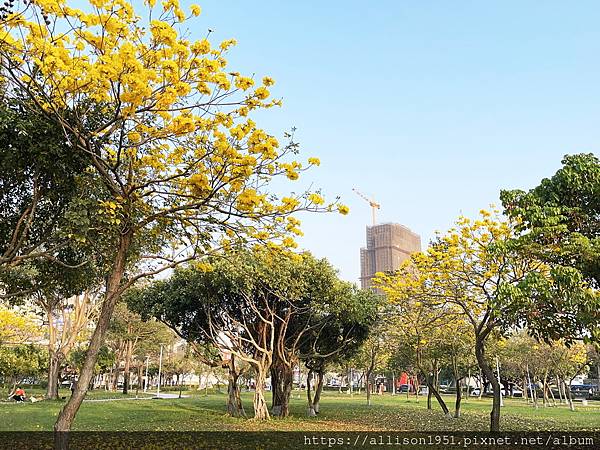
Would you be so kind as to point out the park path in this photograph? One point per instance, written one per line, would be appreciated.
(147, 397)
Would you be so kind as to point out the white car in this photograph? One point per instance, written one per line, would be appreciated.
(516, 392)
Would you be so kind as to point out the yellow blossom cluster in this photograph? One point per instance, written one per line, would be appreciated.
(169, 120)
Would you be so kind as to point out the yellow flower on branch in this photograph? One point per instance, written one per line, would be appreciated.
(196, 10)
(268, 81)
(316, 199)
(343, 209)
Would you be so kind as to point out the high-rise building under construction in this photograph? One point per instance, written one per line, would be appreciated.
(388, 245)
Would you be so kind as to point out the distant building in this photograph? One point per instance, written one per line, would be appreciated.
(388, 245)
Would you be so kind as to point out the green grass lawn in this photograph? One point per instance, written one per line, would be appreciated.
(94, 394)
(339, 412)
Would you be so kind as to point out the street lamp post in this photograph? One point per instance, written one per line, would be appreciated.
(159, 370)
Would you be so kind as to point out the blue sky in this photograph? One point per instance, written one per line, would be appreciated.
(432, 107)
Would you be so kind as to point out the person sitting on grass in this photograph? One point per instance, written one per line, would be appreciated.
(18, 395)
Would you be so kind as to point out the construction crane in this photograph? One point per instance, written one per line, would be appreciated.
(373, 203)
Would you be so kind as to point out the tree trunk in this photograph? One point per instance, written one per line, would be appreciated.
(344, 376)
(429, 383)
(219, 381)
(318, 390)
(431, 390)
(281, 383)
(53, 372)
(235, 407)
(126, 374)
(560, 396)
(416, 386)
(261, 411)
(489, 374)
(569, 395)
(313, 402)
(368, 385)
(113, 286)
(351, 381)
(552, 395)
(116, 372)
(481, 384)
(457, 379)
(532, 390)
(139, 379)
(545, 389)
(458, 400)
(310, 410)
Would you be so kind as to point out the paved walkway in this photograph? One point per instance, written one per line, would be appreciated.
(167, 395)
(147, 396)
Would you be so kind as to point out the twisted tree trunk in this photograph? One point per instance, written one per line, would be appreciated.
(318, 390)
(313, 402)
(261, 411)
(281, 382)
(235, 407)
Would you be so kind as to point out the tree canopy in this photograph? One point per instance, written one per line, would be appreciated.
(562, 216)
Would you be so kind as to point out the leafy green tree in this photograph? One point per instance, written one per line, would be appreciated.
(422, 330)
(106, 360)
(457, 354)
(66, 298)
(593, 351)
(39, 174)
(517, 360)
(336, 333)
(374, 352)
(128, 332)
(264, 308)
(562, 216)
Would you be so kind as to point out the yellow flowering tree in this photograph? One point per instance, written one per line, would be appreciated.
(570, 361)
(477, 270)
(429, 334)
(17, 328)
(166, 131)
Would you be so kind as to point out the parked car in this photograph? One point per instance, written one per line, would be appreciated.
(475, 392)
(582, 391)
(423, 390)
(517, 392)
(404, 388)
